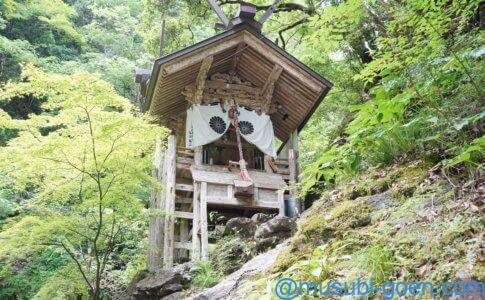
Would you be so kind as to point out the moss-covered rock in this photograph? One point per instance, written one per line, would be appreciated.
(402, 223)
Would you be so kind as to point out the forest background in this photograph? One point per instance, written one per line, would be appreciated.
(75, 150)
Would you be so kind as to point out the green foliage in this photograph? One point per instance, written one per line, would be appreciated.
(204, 275)
(26, 277)
(63, 284)
(87, 173)
(408, 81)
(422, 87)
(378, 260)
(471, 155)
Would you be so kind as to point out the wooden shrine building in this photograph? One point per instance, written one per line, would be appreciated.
(241, 95)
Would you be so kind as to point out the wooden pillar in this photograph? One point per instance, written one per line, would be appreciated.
(196, 244)
(292, 160)
(204, 253)
(198, 155)
(184, 233)
(155, 227)
(294, 169)
(267, 167)
(168, 239)
(281, 202)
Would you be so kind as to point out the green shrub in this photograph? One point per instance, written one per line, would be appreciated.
(378, 260)
(204, 275)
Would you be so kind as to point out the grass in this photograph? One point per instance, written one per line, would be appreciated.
(204, 275)
(378, 261)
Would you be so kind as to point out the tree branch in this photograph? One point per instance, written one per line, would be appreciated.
(291, 26)
(283, 7)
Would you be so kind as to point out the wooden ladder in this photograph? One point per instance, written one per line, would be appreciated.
(191, 211)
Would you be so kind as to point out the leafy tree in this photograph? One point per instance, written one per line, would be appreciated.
(87, 174)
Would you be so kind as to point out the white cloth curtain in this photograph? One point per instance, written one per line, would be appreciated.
(198, 129)
(258, 130)
(208, 123)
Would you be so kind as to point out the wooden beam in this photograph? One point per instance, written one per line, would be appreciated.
(184, 62)
(219, 12)
(184, 215)
(184, 187)
(268, 88)
(290, 68)
(183, 245)
(201, 79)
(183, 200)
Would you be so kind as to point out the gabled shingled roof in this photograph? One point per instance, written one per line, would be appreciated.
(299, 90)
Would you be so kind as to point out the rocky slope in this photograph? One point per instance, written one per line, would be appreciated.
(407, 222)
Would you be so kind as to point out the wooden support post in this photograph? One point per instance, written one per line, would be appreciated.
(155, 228)
(184, 234)
(201, 78)
(198, 152)
(203, 223)
(267, 167)
(281, 202)
(294, 169)
(230, 191)
(268, 87)
(196, 223)
(292, 164)
(168, 239)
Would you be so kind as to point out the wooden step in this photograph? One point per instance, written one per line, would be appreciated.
(184, 215)
(185, 160)
(184, 200)
(184, 187)
(185, 153)
(182, 245)
(184, 167)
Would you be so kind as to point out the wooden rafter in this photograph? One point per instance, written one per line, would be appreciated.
(201, 78)
(268, 88)
(219, 13)
(235, 60)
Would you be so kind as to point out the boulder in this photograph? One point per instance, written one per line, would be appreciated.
(261, 218)
(264, 244)
(361, 222)
(231, 253)
(381, 201)
(276, 225)
(158, 285)
(241, 226)
(219, 230)
(174, 296)
(185, 270)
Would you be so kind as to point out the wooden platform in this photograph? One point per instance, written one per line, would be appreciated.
(220, 187)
